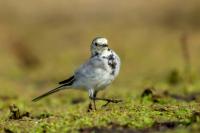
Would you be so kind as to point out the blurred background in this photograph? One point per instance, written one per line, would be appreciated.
(44, 41)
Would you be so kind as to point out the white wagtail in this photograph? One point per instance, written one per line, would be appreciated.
(95, 74)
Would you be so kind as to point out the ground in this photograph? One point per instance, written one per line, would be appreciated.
(159, 87)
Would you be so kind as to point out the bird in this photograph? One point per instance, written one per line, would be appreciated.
(99, 71)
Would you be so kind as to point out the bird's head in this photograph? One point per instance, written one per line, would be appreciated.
(99, 44)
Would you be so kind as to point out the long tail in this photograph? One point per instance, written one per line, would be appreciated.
(65, 83)
(48, 93)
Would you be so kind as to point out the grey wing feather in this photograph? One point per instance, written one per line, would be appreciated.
(89, 68)
(89, 74)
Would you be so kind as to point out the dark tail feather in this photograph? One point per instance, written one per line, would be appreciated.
(66, 81)
(48, 93)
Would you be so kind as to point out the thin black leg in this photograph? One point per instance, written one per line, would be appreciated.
(93, 98)
(89, 107)
(108, 100)
(94, 102)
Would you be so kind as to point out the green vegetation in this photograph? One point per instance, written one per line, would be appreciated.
(150, 111)
(41, 46)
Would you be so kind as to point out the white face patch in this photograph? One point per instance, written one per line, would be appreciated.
(101, 41)
(99, 45)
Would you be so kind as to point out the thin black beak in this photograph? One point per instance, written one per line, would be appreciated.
(105, 45)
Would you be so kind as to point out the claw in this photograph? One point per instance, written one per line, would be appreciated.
(111, 101)
(105, 104)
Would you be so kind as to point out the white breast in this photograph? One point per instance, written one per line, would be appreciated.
(96, 73)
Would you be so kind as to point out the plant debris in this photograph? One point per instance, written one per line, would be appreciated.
(151, 95)
(77, 100)
(16, 114)
(190, 97)
(6, 130)
(147, 92)
(43, 116)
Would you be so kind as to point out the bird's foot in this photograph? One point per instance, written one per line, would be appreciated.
(89, 107)
(111, 101)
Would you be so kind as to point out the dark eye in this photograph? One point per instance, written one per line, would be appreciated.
(95, 44)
